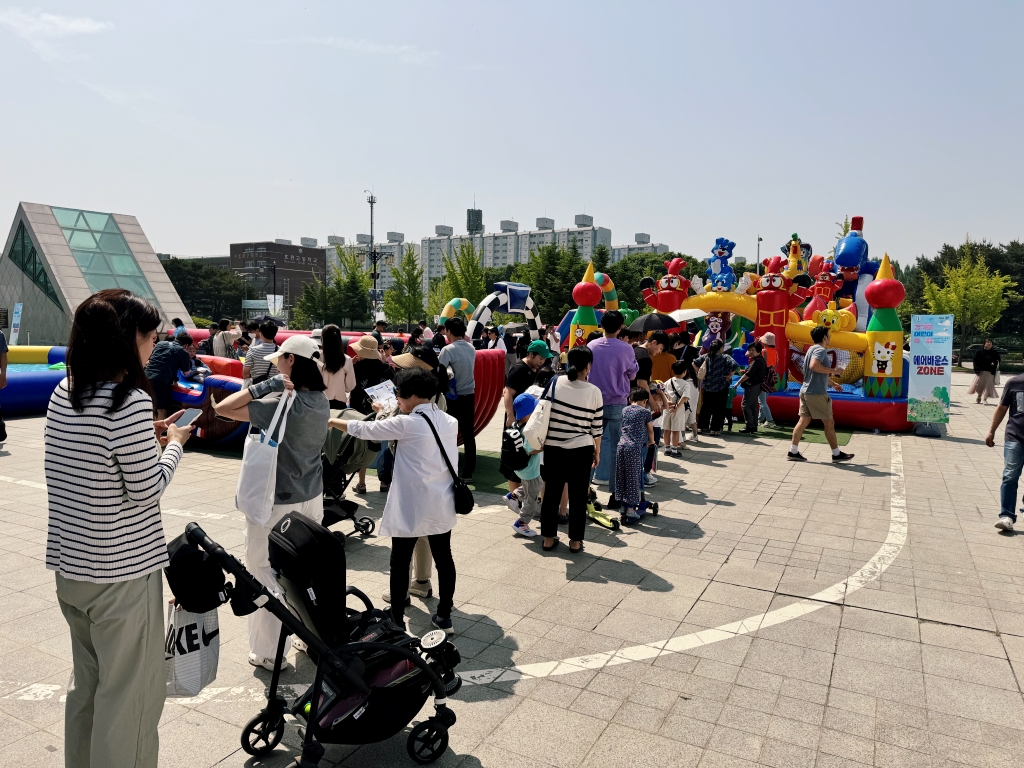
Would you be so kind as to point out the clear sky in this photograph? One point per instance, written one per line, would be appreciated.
(235, 121)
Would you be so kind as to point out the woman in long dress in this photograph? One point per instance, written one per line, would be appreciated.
(986, 364)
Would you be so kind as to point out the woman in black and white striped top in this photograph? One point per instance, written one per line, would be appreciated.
(572, 448)
(105, 540)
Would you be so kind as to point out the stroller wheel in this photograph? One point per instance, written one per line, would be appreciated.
(262, 734)
(654, 508)
(427, 742)
(366, 525)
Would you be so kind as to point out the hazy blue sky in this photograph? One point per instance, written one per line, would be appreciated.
(229, 121)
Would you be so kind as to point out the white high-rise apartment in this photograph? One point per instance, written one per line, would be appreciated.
(643, 244)
(498, 249)
(393, 248)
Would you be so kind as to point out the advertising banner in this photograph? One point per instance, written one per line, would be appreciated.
(275, 303)
(16, 324)
(931, 368)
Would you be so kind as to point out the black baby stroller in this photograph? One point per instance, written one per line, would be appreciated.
(342, 458)
(371, 678)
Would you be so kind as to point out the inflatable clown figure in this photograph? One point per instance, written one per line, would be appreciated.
(775, 298)
(669, 291)
(798, 256)
(587, 294)
(883, 372)
(857, 271)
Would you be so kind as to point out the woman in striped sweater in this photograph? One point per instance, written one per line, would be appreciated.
(572, 448)
(104, 478)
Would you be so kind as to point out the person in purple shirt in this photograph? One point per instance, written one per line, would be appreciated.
(614, 367)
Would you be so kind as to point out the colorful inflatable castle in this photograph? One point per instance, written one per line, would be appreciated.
(856, 298)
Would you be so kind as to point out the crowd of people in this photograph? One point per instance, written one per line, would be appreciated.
(594, 415)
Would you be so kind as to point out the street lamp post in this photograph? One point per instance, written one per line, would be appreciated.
(759, 254)
(374, 256)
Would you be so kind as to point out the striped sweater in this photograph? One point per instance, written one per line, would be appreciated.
(577, 414)
(104, 478)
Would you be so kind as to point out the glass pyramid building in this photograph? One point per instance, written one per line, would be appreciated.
(54, 258)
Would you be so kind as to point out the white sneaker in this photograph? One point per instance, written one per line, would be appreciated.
(267, 664)
(512, 502)
(299, 645)
(523, 529)
(386, 596)
(650, 479)
(1004, 523)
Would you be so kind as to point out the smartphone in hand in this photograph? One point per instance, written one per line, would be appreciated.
(188, 417)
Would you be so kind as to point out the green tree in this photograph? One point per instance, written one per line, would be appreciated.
(317, 306)
(464, 275)
(494, 275)
(844, 230)
(551, 273)
(353, 285)
(205, 290)
(972, 293)
(403, 301)
(601, 257)
(438, 294)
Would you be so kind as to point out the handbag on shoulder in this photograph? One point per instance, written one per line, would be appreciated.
(464, 501)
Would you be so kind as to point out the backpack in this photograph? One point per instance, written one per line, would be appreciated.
(771, 378)
(205, 347)
(513, 450)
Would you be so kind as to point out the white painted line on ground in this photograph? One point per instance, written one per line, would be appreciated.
(835, 594)
(28, 483)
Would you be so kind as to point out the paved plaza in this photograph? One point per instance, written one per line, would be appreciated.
(774, 613)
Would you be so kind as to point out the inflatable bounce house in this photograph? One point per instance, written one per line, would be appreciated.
(853, 296)
(579, 323)
(32, 375)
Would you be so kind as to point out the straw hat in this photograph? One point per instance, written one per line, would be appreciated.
(366, 347)
(409, 360)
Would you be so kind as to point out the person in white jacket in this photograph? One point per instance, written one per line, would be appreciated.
(421, 501)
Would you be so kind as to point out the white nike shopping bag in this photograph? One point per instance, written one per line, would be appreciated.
(191, 650)
(257, 479)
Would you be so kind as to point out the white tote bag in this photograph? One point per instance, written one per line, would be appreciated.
(191, 650)
(257, 479)
(536, 429)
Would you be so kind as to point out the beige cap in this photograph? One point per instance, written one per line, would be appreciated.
(301, 346)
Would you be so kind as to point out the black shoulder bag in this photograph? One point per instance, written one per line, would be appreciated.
(464, 502)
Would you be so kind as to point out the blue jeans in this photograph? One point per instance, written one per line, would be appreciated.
(766, 412)
(609, 442)
(1013, 462)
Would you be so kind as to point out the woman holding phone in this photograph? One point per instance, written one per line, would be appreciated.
(107, 546)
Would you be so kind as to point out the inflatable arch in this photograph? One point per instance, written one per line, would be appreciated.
(453, 306)
(510, 298)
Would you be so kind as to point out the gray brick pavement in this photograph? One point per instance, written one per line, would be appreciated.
(918, 667)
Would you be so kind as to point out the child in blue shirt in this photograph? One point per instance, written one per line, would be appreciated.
(531, 483)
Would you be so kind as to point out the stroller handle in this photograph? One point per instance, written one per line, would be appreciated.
(197, 536)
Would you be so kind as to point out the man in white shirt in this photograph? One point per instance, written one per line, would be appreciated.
(427, 333)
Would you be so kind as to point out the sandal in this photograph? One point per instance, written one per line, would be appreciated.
(553, 545)
(577, 550)
(360, 488)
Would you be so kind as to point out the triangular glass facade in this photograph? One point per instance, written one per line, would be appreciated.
(102, 254)
(24, 255)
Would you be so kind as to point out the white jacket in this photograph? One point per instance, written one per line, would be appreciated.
(421, 501)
